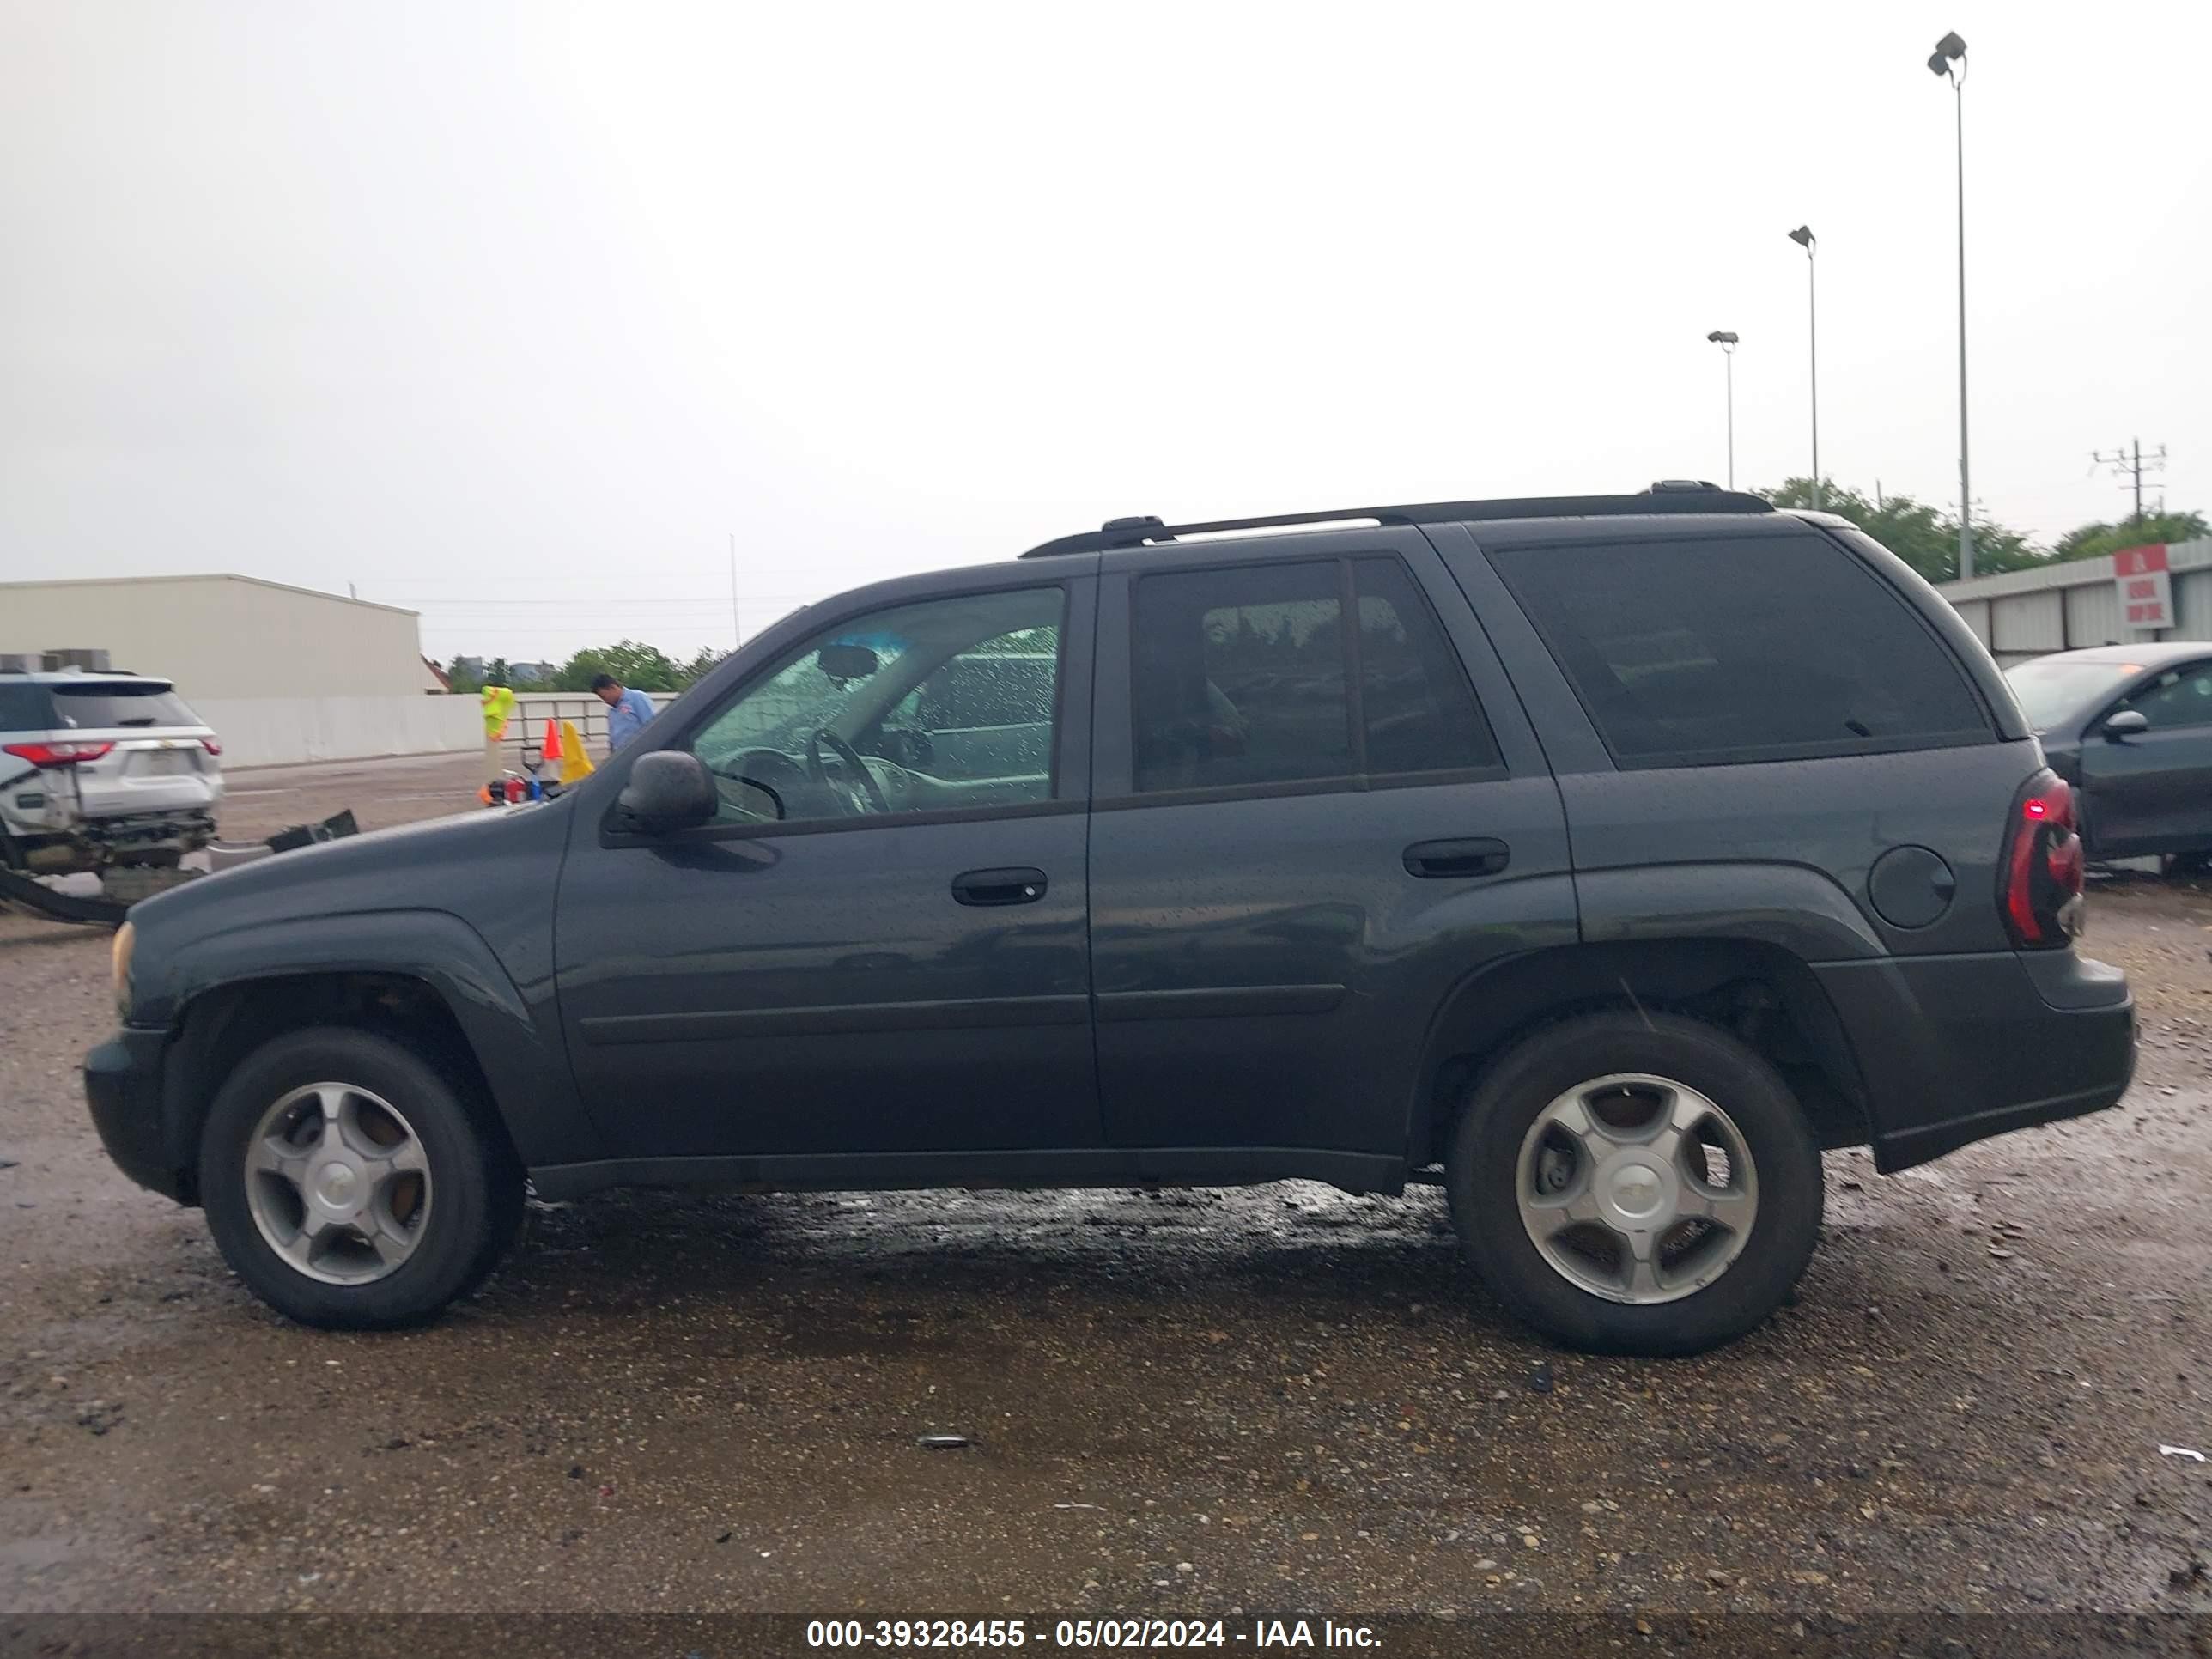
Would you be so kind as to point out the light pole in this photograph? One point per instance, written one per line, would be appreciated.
(1804, 238)
(1727, 342)
(1949, 60)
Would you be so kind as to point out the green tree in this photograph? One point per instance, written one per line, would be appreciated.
(701, 666)
(1924, 536)
(466, 674)
(497, 672)
(2094, 540)
(647, 667)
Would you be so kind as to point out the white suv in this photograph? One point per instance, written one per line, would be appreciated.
(100, 770)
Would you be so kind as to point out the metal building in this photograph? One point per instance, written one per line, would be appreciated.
(223, 637)
(2063, 607)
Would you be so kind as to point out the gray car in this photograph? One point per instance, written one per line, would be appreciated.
(100, 771)
(2131, 727)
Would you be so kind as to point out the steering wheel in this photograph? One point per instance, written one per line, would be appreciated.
(859, 793)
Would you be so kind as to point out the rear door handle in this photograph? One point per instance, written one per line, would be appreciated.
(1443, 859)
(1016, 886)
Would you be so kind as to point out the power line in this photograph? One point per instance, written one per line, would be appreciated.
(2130, 462)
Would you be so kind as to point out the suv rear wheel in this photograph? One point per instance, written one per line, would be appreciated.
(349, 1184)
(1634, 1185)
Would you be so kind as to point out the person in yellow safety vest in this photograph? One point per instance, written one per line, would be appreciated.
(498, 703)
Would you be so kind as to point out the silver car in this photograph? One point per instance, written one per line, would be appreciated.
(101, 771)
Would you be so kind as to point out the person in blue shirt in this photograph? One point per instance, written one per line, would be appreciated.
(627, 710)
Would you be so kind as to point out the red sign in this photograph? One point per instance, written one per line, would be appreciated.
(2146, 587)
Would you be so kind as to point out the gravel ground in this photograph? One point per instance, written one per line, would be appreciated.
(1278, 1398)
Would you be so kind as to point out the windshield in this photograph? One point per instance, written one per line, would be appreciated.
(2050, 689)
(105, 706)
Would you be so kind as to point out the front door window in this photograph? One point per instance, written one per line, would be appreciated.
(934, 707)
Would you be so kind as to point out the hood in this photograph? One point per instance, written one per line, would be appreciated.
(407, 866)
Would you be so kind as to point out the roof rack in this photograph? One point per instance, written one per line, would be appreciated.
(1668, 496)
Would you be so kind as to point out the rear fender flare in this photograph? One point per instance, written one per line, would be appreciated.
(1502, 1001)
(1795, 909)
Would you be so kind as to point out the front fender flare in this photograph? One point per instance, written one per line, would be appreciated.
(513, 1031)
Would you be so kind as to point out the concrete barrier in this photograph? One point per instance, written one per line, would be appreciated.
(525, 729)
(285, 730)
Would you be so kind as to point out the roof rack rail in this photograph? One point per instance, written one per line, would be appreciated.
(1668, 496)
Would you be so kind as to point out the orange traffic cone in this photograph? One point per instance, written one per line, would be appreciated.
(551, 749)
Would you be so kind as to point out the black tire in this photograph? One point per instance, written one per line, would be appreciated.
(476, 1181)
(1482, 1167)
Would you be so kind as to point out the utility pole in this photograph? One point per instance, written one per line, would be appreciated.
(2130, 462)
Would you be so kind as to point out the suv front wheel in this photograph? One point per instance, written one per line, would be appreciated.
(349, 1186)
(1633, 1184)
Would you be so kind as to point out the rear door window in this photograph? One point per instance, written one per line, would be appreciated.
(1240, 678)
(1420, 712)
(1246, 677)
(1769, 647)
(119, 704)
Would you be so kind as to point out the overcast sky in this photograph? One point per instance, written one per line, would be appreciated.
(511, 314)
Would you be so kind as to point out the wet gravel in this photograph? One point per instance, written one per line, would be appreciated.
(1280, 1399)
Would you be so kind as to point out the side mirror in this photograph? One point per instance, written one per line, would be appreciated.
(668, 790)
(2127, 723)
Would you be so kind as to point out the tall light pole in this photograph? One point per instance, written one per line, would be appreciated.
(1949, 60)
(1727, 342)
(1804, 238)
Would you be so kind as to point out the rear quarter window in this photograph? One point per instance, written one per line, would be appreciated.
(1690, 652)
(25, 708)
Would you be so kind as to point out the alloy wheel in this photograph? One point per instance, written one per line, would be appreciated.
(1637, 1188)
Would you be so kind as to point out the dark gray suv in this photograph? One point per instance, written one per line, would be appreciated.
(1601, 860)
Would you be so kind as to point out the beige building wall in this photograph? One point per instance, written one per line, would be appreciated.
(223, 637)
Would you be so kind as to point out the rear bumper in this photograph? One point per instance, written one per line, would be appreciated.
(1954, 1049)
(85, 843)
(123, 1085)
(193, 825)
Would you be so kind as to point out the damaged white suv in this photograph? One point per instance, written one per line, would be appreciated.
(109, 773)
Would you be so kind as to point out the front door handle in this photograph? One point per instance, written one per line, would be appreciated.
(1017, 886)
(1443, 859)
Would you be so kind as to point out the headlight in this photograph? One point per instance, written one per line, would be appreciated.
(119, 963)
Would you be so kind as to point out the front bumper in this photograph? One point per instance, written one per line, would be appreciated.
(1956, 1048)
(123, 1085)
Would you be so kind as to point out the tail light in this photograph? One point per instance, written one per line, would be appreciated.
(211, 745)
(2042, 870)
(57, 754)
